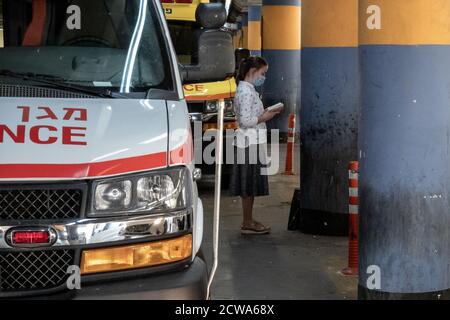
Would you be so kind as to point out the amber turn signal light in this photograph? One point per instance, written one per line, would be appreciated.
(136, 256)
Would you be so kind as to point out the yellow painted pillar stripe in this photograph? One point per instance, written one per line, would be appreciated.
(254, 35)
(237, 40)
(330, 23)
(406, 22)
(279, 27)
(245, 36)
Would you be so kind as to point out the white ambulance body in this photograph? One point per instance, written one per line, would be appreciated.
(97, 184)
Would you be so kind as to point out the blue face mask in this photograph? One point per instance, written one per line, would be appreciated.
(258, 82)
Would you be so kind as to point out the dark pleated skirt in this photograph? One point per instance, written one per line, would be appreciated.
(247, 178)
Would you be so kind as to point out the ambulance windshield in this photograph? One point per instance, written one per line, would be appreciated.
(114, 44)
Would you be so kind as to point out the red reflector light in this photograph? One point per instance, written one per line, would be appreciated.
(31, 237)
(167, 1)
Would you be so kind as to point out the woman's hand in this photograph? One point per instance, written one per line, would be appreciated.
(268, 115)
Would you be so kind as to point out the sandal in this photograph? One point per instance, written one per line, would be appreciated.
(255, 228)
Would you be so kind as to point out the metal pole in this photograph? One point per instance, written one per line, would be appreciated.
(227, 6)
(217, 194)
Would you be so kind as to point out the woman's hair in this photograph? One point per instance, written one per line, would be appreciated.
(247, 64)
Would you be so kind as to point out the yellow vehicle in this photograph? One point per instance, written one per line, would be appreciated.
(196, 30)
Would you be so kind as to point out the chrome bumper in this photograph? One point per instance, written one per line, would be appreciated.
(106, 230)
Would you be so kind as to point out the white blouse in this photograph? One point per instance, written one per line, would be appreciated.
(249, 107)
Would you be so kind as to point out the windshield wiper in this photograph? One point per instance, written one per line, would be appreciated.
(55, 81)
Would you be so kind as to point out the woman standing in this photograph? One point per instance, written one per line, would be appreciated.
(248, 180)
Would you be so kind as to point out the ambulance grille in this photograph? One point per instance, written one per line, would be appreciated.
(34, 270)
(17, 91)
(29, 204)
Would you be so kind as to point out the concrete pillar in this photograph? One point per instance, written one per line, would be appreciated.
(329, 113)
(237, 38)
(281, 47)
(404, 149)
(245, 30)
(254, 29)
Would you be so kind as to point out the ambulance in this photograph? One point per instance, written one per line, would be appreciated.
(98, 195)
(187, 24)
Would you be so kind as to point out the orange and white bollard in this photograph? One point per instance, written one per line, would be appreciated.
(353, 206)
(289, 170)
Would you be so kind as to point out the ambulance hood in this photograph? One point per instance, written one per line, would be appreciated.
(67, 139)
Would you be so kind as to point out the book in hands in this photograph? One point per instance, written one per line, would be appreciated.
(276, 107)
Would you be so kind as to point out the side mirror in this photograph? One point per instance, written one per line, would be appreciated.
(214, 56)
(215, 59)
(211, 15)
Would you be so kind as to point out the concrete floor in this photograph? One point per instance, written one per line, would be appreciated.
(282, 265)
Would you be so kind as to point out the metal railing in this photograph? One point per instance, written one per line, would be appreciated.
(217, 195)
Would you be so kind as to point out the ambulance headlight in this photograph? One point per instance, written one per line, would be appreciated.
(167, 190)
(113, 195)
(212, 106)
(229, 107)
